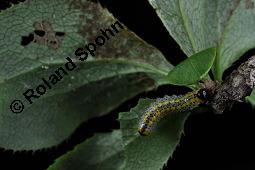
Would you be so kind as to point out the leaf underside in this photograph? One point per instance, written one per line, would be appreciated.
(123, 67)
(197, 25)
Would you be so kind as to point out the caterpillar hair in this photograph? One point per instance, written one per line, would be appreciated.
(167, 105)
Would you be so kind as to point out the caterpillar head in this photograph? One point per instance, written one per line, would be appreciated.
(145, 129)
(203, 94)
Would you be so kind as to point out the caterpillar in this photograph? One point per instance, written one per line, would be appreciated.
(169, 104)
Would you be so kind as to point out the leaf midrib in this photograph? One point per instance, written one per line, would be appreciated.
(185, 24)
(149, 67)
(222, 34)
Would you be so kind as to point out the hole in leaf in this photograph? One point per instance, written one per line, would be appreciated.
(25, 40)
(60, 34)
(40, 33)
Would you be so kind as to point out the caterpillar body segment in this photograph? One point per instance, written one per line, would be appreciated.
(167, 105)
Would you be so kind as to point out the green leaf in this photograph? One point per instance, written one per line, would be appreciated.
(103, 151)
(123, 67)
(197, 25)
(149, 152)
(193, 69)
(251, 98)
(143, 153)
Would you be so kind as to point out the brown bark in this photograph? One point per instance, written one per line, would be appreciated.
(235, 88)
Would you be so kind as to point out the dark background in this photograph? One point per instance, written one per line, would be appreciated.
(211, 142)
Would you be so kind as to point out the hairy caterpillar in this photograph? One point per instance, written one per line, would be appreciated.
(169, 104)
